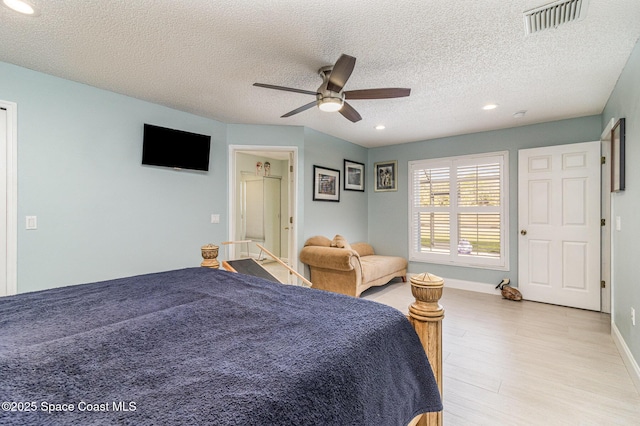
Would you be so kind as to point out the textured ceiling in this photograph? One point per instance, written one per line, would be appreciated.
(456, 55)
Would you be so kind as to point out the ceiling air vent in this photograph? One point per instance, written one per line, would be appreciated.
(554, 14)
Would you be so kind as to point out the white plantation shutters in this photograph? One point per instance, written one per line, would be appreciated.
(431, 218)
(459, 211)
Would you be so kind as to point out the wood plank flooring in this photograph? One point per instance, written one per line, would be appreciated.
(525, 363)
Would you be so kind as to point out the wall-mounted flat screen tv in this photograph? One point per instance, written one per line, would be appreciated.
(175, 148)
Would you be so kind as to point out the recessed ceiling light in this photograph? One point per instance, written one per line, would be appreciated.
(380, 127)
(490, 106)
(20, 6)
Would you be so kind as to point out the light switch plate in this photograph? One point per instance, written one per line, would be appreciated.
(32, 222)
(215, 218)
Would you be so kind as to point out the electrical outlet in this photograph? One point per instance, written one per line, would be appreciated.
(215, 218)
(633, 317)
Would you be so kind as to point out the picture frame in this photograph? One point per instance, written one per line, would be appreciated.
(326, 184)
(353, 176)
(617, 156)
(385, 176)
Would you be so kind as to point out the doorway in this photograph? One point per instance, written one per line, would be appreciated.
(262, 202)
(8, 199)
(559, 220)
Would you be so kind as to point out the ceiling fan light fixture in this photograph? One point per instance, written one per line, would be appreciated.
(330, 104)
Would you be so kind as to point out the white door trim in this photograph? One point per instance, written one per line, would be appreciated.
(605, 211)
(12, 196)
(293, 192)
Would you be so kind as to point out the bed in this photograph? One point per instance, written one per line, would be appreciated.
(206, 346)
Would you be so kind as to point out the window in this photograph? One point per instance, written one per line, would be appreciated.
(458, 210)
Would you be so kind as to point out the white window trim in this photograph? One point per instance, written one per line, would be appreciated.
(453, 259)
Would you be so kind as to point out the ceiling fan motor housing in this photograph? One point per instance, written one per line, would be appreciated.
(328, 100)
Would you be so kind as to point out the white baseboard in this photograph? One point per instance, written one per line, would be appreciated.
(468, 285)
(627, 356)
(471, 286)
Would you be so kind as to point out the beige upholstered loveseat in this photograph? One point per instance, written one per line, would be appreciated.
(337, 266)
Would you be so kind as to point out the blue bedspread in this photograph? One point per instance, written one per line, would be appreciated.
(200, 346)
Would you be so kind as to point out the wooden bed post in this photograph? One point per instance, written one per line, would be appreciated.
(210, 255)
(426, 316)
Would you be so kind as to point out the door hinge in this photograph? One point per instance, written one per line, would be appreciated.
(603, 160)
(290, 169)
(290, 219)
(603, 284)
(603, 222)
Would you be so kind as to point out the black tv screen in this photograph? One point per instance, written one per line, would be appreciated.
(175, 148)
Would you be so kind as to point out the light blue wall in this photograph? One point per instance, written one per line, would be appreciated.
(101, 214)
(625, 102)
(389, 211)
(349, 217)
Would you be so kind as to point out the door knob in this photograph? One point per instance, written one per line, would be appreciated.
(523, 232)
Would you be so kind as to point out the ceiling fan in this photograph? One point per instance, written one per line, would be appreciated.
(331, 97)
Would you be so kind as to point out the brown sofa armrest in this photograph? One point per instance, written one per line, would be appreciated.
(338, 259)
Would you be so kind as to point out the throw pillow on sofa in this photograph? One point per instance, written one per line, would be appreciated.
(340, 242)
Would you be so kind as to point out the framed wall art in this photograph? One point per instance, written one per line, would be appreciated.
(353, 176)
(386, 176)
(326, 184)
(617, 157)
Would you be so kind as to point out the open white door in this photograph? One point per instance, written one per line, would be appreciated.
(559, 219)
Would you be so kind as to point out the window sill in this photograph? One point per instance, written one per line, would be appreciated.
(489, 266)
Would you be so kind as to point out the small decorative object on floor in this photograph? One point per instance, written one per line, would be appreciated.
(509, 292)
(209, 254)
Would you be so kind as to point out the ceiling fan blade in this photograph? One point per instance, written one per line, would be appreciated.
(341, 72)
(286, 89)
(391, 92)
(302, 108)
(350, 113)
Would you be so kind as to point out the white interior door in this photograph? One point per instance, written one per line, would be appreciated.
(3, 203)
(272, 202)
(254, 210)
(559, 219)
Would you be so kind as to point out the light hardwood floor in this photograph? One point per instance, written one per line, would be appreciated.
(525, 363)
